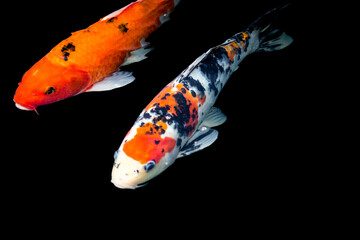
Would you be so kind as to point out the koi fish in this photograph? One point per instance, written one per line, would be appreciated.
(179, 121)
(89, 59)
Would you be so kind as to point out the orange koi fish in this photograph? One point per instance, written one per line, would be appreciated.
(180, 119)
(89, 59)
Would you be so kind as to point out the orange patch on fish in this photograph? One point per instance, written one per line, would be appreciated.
(148, 144)
(244, 35)
(231, 50)
(166, 98)
(235, 45)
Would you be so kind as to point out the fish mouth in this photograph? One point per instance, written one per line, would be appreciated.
(124, 186)
(23, 108)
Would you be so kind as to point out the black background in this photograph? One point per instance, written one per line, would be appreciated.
(62, 158)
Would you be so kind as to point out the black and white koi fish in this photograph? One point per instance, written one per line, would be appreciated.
(180, 119)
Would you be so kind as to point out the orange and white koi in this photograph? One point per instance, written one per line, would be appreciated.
(180, 119)
(89, 59)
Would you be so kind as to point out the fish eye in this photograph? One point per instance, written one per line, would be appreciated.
(150, 165)
(49, 90)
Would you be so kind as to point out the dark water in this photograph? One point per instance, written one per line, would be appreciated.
(64, 156)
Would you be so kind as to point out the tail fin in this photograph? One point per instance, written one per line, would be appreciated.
(176, 2)
(270, 38)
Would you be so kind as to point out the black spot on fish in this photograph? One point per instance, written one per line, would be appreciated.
(146, 115)
(160, 110)
(157, 142)
(194, 114)
(157, 128)
(111, 20)
(165, 96)
(67, 49)
(189, 82)
(213, 88)
(123, 27)
(183, 115)
(211, 68)
(182, 109)
(178, 142)
(66, 55)
(150, 132)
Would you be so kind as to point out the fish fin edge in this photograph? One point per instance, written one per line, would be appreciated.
(116, 80)
(201, 139)
(215, 117)
(138, 55)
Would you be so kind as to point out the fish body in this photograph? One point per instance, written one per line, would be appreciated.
(180, 119)
(89, 59)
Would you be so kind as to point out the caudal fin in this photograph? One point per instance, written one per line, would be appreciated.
(270, 38)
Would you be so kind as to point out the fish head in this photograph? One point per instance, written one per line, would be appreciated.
(128, 173)
(46, 83)
(142, 157)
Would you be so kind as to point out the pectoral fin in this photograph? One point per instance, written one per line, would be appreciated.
(215, 117)
(116, 80)
(204, 136)
(201, 139)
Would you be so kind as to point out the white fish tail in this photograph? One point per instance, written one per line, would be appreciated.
(266, 37)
